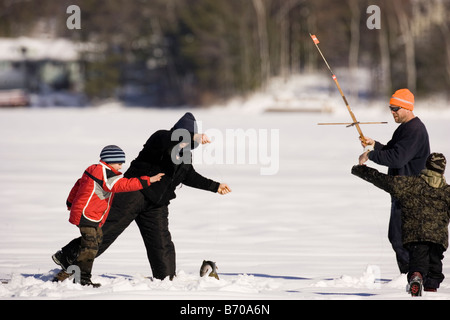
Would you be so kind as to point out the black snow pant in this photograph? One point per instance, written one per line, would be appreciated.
(153, 224)
(395, 237)
(426, 258)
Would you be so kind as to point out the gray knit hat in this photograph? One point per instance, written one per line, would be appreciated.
(112, 154)
(436, 162)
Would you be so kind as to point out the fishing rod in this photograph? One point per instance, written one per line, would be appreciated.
(354, 122)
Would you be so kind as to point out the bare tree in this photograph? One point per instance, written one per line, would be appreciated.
(263, 40)
(409, 42)
(386, 83)
(284, 22)
(445, 32)
(354, 42)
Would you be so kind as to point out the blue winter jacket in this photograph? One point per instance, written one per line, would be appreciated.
(406, 153)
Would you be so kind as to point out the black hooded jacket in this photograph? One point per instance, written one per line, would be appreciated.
(156, 157)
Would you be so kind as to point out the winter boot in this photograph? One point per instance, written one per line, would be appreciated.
(88, 282)
(415, 284)
(61, 260)
(61, 276)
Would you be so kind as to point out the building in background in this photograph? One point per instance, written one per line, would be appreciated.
(40, 72)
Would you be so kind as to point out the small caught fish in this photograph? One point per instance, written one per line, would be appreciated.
(209, 268)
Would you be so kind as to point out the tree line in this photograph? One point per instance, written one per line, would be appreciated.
(203, 51)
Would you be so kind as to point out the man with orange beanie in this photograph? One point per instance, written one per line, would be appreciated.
(404, 155)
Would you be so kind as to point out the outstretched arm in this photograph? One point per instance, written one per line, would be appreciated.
(378, 179)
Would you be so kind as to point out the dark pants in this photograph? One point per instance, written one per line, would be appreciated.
(153, 224)
(91, 238)
(395, 237)
(426, 258)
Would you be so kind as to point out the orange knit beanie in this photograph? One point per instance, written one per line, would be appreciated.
(403, 98)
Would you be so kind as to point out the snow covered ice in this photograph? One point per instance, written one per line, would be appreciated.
(310, 231)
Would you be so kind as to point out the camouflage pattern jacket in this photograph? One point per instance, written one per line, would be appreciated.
(425, 201)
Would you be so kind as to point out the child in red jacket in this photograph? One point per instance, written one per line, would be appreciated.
(89, 202)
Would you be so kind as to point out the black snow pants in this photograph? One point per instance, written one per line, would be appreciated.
(153, 224)
(426, 258)
(395, 237)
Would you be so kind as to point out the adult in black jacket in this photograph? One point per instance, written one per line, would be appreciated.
(166, 151)
(405, 155)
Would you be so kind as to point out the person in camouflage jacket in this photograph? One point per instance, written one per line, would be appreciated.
(425, 201)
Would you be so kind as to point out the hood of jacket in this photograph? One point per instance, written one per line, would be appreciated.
(188, 123)
(433, 178)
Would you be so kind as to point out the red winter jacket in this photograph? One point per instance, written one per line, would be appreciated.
(90, 198)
